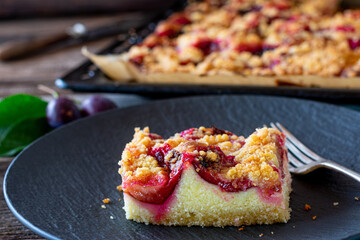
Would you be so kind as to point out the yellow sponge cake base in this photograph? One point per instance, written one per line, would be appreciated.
(197, 202)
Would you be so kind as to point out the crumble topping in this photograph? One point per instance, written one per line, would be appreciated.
(135, 162)
(230, 159)
(257, 158)
(254, 37)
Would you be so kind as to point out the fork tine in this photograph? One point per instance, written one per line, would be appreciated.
(302, 157)
(293, 149)
(291, 168)
(292, 156)
(298, 144)
(294, 161)
(274, 126)
(319, 162)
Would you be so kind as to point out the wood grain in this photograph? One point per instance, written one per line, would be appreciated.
(23, 76)
(10, 227)
(19, 8)
(316, 125)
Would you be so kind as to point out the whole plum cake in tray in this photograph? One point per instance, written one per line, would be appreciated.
(207, 177)
(248, 42)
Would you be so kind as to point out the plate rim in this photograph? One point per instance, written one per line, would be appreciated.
(8, 201)
(47, 235)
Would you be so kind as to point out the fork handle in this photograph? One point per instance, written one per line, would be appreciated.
(342, 169)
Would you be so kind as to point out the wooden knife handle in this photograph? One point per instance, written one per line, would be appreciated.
(18, 48)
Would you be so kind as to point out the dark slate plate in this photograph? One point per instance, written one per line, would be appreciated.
(55, 186)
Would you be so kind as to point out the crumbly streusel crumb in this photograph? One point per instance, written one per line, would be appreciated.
(263, 37)
(193, 166)
(255, 160)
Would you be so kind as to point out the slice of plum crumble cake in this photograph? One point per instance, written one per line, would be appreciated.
(206, 177)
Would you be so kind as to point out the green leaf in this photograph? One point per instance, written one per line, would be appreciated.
(19, 107)
(21, 134)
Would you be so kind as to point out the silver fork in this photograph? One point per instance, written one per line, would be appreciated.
(303, 160)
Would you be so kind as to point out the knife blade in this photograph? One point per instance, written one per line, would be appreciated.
(77, 34)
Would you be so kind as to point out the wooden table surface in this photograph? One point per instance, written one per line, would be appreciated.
(23, 76)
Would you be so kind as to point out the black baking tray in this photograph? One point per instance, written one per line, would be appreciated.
(88, 78)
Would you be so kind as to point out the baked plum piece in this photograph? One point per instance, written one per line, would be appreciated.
(207, 177)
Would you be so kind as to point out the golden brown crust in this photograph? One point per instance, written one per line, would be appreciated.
(256, 160)
(118, 69)
(135, 161)
(262, 42)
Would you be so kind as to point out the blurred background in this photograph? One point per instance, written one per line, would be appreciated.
(40, 41)
(45, 25)
(40, 8)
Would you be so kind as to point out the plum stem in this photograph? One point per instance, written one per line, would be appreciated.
(48, 90)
